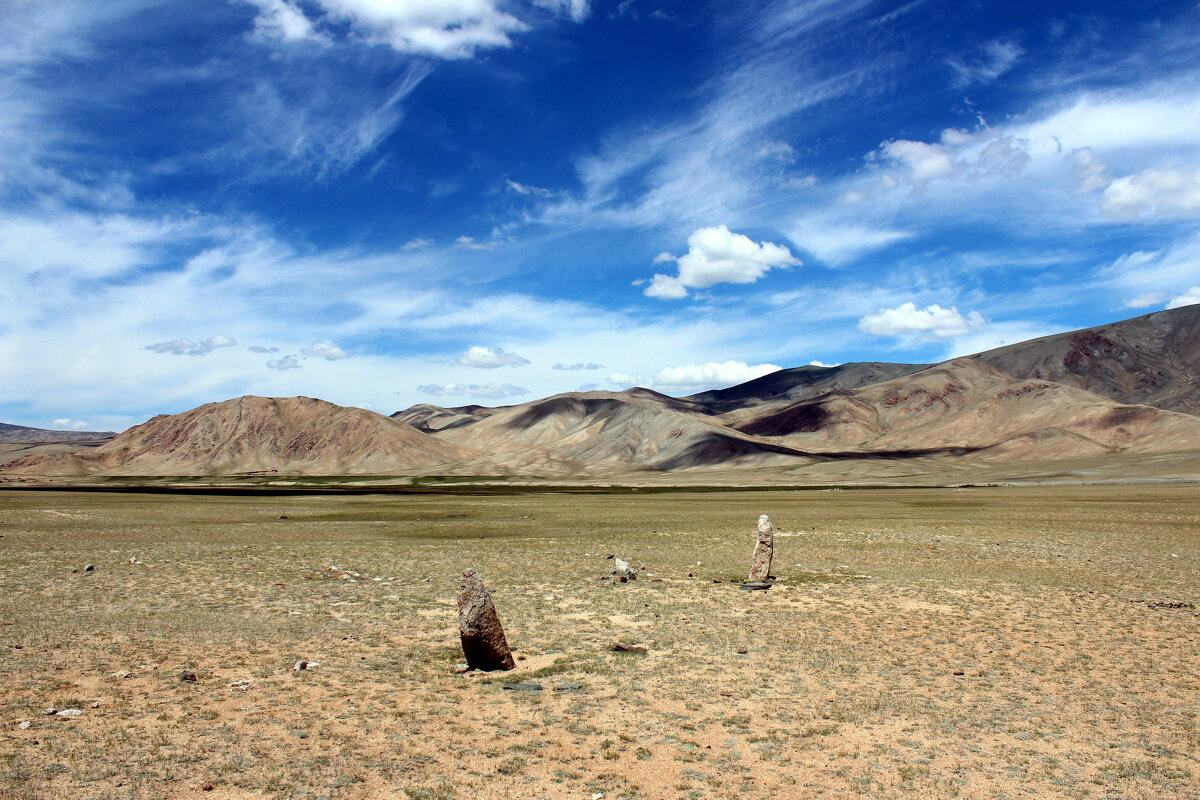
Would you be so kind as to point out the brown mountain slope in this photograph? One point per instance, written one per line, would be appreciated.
(19, 434)
(298, 435)
(600, 431)
(1149, 360)
(793, 385)
(966, 404)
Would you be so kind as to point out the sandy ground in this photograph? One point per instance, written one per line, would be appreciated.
(973, 643)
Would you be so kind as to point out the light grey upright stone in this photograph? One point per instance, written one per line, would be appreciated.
(764, 551)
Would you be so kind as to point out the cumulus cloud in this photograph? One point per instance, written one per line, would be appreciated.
(69, 423)
(416, 244)
(284, 362)
(258, 348)
(957, 153)
(717, 255)
(191, 347)
(441, 28)
(1153, 193)
(490, 391)
(932, 322)
(1190, 297)
(490, 358)
(625, 379)
(815, 363)
(326, 350)
(578, 366)
(711, 374)
(283, 20)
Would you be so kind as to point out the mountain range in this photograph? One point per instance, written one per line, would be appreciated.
(1119, 394)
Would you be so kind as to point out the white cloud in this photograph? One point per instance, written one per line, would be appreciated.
(712, 374)
(281, 19)
(190, 347)
(993, 60)
(1171, 269)
(490, 358)
(326, 350)
(441, 28)
(416, 244)
(1190, 297)
(578, 9)
(1146, 299)
(1153, 193)
(717, 255)
(815, 363)
(63, 422)
(932, 322)
(578, 366)
(469, 243)
(284, 363)
(838, 242)
(781, 151)
(527, 190)
(1091, 171)
(625, 379)
(258, 348)
(490, 391)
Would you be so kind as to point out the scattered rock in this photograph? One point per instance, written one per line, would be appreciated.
(757, 587)
(123, 674)
(134, 560)
(187, 675)
(632, 647)
(764, 551)
(50, 712)
(479, 627)
(95, 705)
(24, 726)
(461, 669)
(300, 666)
(523, 687)
(1170, 605)
(743, 651)
(282, 516)
(89, 568)
(208, 787)
(568, 687)
(958, 672)
(69, 712)
(239, 686)
(623, 570)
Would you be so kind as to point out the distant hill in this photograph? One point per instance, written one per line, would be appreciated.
(1122, 391)
(257, 434)
(19, 434)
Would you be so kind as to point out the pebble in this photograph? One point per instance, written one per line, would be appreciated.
(621, 647)
(460, 669)
(26, 725)
(187, 675)
(69, 712)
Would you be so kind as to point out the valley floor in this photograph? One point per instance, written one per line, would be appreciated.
(937, 643)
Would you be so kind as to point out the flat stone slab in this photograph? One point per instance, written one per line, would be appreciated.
(523, 687)
(756, 586)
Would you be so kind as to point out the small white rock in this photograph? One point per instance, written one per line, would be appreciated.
(26, 725)
(69, 712)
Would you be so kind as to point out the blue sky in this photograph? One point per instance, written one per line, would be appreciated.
(387, 202)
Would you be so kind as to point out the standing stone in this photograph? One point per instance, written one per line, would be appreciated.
(479, 627)
(764, 550)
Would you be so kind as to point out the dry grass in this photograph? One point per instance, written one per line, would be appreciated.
(1072, 685)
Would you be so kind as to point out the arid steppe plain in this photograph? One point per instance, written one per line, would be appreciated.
(997, 642)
